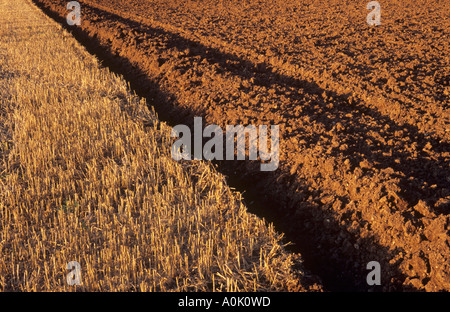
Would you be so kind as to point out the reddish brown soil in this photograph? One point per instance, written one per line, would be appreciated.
(363, 114)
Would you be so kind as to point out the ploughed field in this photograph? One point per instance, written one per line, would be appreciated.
(363, 111)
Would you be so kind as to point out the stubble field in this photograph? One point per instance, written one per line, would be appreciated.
(86, 175)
